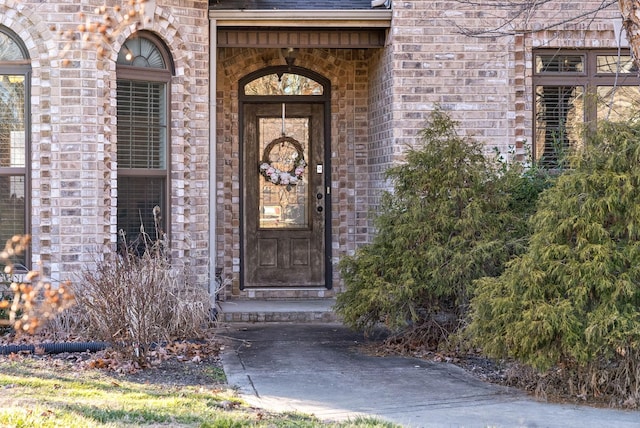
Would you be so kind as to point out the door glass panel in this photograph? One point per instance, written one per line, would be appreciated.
(283, 201)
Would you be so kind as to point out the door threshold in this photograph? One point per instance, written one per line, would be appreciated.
(285, 293)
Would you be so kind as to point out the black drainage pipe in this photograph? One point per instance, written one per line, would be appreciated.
(54, 348)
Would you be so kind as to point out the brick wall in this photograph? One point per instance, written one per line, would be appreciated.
(73, 147)
(485, 81)
(381, 133)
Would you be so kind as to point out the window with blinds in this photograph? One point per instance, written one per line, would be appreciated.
(574, 89)
(142, 125)
(12, 208)
(14, 138)
(136, 207)
(559, 117)
(143, 134)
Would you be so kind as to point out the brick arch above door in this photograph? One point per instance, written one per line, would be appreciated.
(334, 64)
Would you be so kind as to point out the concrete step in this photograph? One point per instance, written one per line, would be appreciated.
(285, 310)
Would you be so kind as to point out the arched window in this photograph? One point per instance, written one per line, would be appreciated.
(144, 72)
(15, 72)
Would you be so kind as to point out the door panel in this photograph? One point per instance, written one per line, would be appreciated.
(284, 214)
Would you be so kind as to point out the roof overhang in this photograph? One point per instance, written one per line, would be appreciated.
(379, 18)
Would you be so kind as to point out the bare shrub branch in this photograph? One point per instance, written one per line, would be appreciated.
(516, 15)
(136, 300)
(27, 298)
(101, 28)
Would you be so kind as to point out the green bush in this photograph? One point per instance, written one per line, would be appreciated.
(573, 299)
(450, 219)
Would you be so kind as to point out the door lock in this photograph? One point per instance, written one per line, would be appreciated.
(319, 200)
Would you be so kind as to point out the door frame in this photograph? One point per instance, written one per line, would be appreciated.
(325, 100)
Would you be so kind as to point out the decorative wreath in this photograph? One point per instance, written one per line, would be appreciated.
(277, 176)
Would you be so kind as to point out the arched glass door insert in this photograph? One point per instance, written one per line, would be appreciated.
(283, 84)
(285, 204)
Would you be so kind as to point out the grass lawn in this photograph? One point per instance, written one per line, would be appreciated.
(49, 392)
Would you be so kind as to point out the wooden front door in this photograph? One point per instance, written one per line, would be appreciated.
(284, 195)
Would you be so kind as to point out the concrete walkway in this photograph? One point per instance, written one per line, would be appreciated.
(320, 369)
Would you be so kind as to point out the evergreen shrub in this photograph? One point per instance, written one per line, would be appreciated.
(572, 301)
(451, 218)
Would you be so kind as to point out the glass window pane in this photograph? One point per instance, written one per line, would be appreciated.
(141, 52)
(142, 125)
(12, 131)
(559, 64)
(12, 209)
(559, 120)
(618, 104)
(287, 84)
(9, 49)
(282, 206)
(614, 63)
(137, 197)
